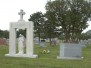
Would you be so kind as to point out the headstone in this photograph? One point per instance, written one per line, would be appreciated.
(53, 42)
(7, 41)
(43, 43)
(70, 51)
(89, 41)
(21, 24)
(57, 41)
(82, 43)
(36, 40)
(85, 42)
(47, 40)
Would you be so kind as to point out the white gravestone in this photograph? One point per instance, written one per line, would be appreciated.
(43, 43)
(21, 24)
(21, 44)
(70, 51)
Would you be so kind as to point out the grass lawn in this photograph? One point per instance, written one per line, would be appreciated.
(44, 60)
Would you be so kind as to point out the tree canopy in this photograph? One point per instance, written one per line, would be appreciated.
(4, 34)
(71, 15)
(38, 19)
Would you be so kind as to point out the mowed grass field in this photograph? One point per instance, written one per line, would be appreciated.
(44, 60)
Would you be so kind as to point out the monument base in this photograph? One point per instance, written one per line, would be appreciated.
(70, 58)
(21, 55)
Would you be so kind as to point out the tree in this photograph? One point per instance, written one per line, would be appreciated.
(71, 15)
(4, 34)
(1, 33)
(50, 25)
(20, 31)
(38, 19)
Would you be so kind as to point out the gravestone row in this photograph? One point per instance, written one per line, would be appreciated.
(4, 41)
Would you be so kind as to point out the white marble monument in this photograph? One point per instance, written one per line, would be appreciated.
(21, 24)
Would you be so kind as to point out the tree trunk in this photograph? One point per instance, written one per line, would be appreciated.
(39, 38)
(50, 40)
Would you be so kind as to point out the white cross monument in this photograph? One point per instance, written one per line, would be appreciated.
(21, 24)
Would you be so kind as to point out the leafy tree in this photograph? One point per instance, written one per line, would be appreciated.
(88, 34)
(71, 15)
(4, 34)
(23, 32)
(1, 33)
(50, 25)
(38, 19)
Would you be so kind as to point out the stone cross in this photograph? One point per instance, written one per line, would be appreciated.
(21, 13)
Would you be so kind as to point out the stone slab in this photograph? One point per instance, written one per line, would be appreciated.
(23, 55)
(70, 51)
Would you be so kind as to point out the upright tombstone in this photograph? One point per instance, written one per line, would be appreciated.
(21, 24)
(43, 43)
(37, 40)
(70, 51)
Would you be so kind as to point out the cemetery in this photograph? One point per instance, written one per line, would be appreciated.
(42, 45)
(44, 60)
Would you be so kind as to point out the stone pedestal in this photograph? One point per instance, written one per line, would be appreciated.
(21, 55)
(70, 51)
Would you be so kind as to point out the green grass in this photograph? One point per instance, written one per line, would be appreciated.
(44, 60)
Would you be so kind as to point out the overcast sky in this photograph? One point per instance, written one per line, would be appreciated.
(9, 10)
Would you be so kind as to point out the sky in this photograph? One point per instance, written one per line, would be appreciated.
(9, 11)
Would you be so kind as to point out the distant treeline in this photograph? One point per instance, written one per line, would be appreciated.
(4, 33)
